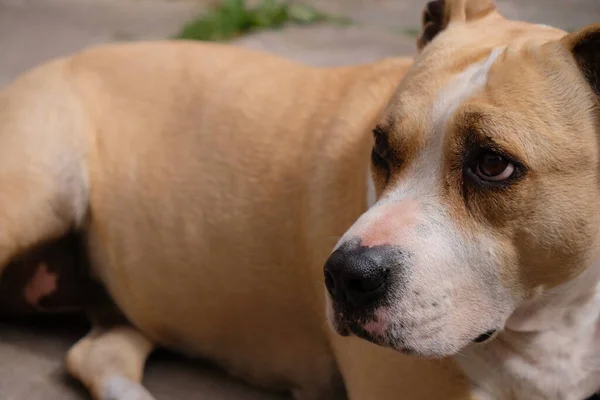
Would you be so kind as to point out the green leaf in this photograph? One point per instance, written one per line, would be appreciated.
(231, 18)
(304, 14)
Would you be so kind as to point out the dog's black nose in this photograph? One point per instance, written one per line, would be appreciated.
(355, 276)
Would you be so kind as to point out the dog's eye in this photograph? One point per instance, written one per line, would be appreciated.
(380, 148)
(492, 166)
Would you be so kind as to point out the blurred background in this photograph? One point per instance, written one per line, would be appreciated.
(321, 32)
(318, 32)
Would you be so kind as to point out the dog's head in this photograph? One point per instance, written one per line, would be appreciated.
(486, 165)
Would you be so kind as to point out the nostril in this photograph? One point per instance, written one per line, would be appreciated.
(362, 290)
(330, 283)
(366, 284)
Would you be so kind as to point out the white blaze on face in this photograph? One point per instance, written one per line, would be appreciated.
(463, 86)
(413, 217)
(424, 175)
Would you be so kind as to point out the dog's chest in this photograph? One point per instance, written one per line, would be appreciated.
(562, 364)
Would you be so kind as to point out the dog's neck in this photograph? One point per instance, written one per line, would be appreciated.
(555, 308)
(549, 349)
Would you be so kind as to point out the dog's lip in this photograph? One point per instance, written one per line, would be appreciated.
(358, 331)
(346, 327)
(361, 333)
(343, 329)
(341, 325)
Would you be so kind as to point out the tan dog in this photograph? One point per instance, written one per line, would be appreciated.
(210, 183)
(486, 162)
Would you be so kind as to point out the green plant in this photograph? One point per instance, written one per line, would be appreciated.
(412, 32)
(231, 18)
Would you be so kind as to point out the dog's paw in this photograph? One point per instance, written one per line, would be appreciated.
(120, 388)
(432, 22)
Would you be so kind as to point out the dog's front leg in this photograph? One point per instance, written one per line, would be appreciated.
(110, 363)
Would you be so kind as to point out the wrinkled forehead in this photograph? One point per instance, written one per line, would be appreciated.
(455, 66)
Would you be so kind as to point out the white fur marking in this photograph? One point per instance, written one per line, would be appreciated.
(424, 173)
(560, 335)
(121, 388)
(463, 86)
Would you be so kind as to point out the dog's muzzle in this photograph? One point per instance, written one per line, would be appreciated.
(356, 277)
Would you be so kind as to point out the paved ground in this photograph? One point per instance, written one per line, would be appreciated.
(32, 31)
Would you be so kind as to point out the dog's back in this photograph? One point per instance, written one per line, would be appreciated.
(204, 179)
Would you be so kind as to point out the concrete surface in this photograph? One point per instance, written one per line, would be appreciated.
(32, 31)
(31, 368)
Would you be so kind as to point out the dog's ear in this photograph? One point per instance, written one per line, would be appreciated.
(439, 13)
(432, 22)
(468, 10)
(585, 47)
